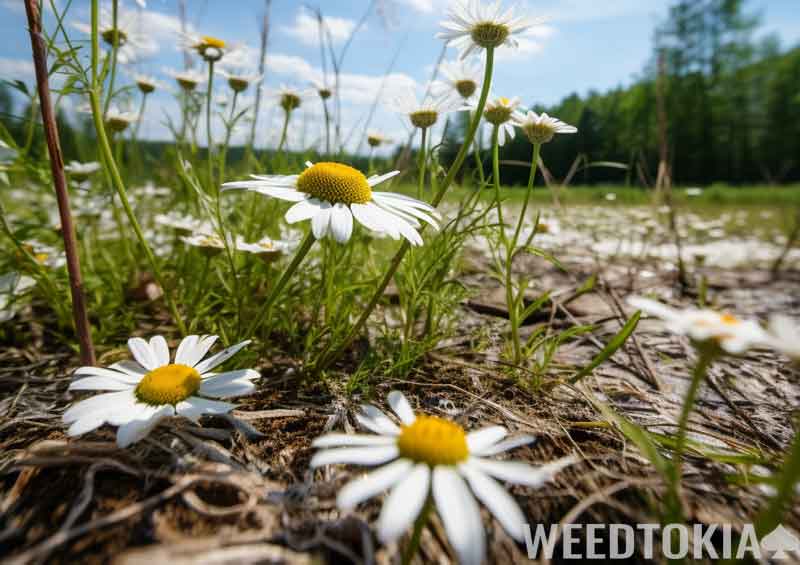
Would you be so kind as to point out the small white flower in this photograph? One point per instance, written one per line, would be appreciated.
(500, 112)
(238, 79)
(45, 255)
(541, 128)
(133, 43)
(79, 170)
(785, 336)
(184, 223)
(209, 244)
(422, 114)
(146, 83)
(152, 388)
(118, 121)
(461, 78)
(188, 79)
(473, 25)
(376, 139)
(426, 456)
(332, 194)
(288, 98)
(266, 248)
(211, 49)
(731, 334)
(323, 90)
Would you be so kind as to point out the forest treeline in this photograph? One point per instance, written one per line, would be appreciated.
(732, 105)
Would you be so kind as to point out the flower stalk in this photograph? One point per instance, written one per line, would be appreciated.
(79, 311)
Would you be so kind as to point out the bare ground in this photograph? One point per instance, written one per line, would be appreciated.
(239, 491)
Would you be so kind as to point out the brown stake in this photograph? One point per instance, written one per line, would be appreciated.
(60, 184)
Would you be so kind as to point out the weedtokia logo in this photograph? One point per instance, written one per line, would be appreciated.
(676, 541)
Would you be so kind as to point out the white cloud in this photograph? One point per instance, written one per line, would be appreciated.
(531, 43)
(21, 69)
(588, 10)
(305, 28)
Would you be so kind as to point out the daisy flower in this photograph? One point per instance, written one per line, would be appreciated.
(211, 49)
(80, 171)
(426, 457)
(45, 255)
(500, 112)
(238, 79)
(473, 25)
(332, 194)
(118, 121)
(460, 77)
(132, 43)
(265, 248)
(376, 139)
(188, 79)
(289, 98)
(146, 83)
(210, 245)
(322, 89)
(731, 334)
(152, 388)
(184, 224)
(785, 336)
(541, 128)
(423, 114)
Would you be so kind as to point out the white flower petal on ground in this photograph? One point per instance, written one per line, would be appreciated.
(784, 336)
(152, 388)
(377, 481)
(331, 195)
(428, 456)
(404, 503)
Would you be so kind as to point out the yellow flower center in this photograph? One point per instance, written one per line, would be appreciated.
(238, 84)
(539, 133)
(41, 257)
(335, 182)
(729, 320)
(424, 118)
(466, 87)
(169, 384)
(290, 101)
(498, 113)
(489, 34)
(110, 34)
(146, 87)
(208, 41)
(433, 441)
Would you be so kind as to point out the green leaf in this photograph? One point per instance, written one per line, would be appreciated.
(609, 350)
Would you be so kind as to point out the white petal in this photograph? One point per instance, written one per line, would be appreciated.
(321, 220)
(341, 223)
(341, 440)
(230, 389)
(220, 357)
(503, 446)
(460, 515)
(499, 502)
(98, 405)
(100, 372)
(376, 180)
(137, 429)
(359, 490)
(373, 455)
(99, 383)
(195, 354)
(520, 473)
(481, 439)
(194, 407)
(222, 379)
(132, 370)
(160, 349)
(185, 348)
(400, 406)
(375, 420)
(303, 210)
(404, 504)
(143, 353)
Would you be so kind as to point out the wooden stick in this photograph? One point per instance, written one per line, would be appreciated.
(60, 184)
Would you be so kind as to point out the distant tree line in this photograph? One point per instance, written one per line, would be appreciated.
(732, 106)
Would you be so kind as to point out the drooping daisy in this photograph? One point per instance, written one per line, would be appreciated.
(288, 98)
(238, 79)
(376, 139)
(118, 121)
(429, 457)
(731, 334)
(332, 194)
(146, 83)
(473, 25)
(188, 79)
(81, 171)
(541, 128)
(323, 90)
(132, 42)
(460, 77)
(425, 114)
(152, 388)
(784, 336)
(500, 112)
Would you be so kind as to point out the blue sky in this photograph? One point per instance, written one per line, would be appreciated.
(583, 45)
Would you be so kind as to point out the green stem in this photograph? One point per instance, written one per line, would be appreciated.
(105, 148)
(416, 536)
(327, 127)
(301, 253)
(698, 375)
(479, 165)
(114, 52)
(496, 179)
(139, 119)
(325, 357)
(285, 129)
(422, 164)
(531, 179)
(223, 156)
(209, 141)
